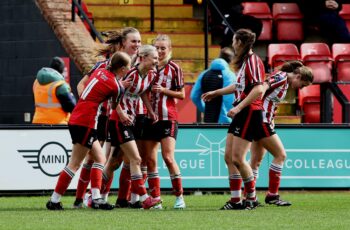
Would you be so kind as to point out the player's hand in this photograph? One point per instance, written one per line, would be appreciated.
(126, 83)
(157, 88)
(233, 112)
(153, 117)
(208, 96)
(331, 4)
(125, 119)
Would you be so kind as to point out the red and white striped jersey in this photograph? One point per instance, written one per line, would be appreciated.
(101, 86)
(131, 102)
(278, 85)
(98, 65)
(251, 73)
(169, 77)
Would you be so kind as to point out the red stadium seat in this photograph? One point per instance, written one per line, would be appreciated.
(262, 11)
(279, 53)
(341, 56)
(318, 57)
(345, 14)
(309, 102)
(288, 22)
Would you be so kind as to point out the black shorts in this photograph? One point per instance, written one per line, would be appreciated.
(160, 130)
(248, 125)
(102, 127)
(83, 135)
(140, 125)
(124, 133)
(113, 133)
(268, 129)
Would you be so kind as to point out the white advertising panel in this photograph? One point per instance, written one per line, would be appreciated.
(33, 159)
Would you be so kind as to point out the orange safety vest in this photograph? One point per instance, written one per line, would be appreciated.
(48, 109)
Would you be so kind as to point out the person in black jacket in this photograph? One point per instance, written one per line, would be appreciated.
(324, 14)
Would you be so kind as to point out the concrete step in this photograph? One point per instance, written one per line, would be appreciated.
(134, 2)
(288, 119)
(144, 24)
(191, 65)
(177, 39)
(191, 69)
(191, 77)
(291, 95)
(140, 11)
(286, 108)
(194, 52)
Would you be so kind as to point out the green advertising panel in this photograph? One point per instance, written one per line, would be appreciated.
(317, 158)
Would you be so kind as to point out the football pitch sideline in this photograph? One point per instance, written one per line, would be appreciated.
(310, 210)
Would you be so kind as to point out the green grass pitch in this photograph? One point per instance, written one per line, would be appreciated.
(310, 210)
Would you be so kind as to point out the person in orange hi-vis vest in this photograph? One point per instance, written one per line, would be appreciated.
(53, 98)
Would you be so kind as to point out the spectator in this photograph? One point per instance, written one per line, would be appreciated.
(233, 13)
(217, 76)
(52, 95)
(324, 14)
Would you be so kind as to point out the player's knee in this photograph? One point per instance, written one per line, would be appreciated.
(281, 157)
(169, 160)
(136, 161)
(237, 162)
(228, 159)
(151, 164)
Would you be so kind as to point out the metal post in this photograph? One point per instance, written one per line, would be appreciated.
(206, 32)
(98, 35)
(326, 103)
(152, 15)
(79, 2)
(73, 11)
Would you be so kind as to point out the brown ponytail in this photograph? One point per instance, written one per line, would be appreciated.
(247, 39)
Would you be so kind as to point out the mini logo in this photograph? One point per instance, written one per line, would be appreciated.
(51, 158)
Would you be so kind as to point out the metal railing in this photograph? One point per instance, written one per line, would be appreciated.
(82, 14)
(206, 27)
(327, 89)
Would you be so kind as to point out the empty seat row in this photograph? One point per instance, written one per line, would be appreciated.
(317, 56)
(285, 17)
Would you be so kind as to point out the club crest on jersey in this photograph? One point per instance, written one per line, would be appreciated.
(278, 77)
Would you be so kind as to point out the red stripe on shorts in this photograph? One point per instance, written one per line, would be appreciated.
(245, 127)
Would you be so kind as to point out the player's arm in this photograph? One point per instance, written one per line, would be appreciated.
(179, 94)
(147, 103)
(255, 93)
(208, 96)
(81, 84)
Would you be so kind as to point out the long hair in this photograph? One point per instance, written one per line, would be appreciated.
(164, 37)
(297, 67)
(247, 39)
(290, 66)
(118, 60)
(114, 41)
